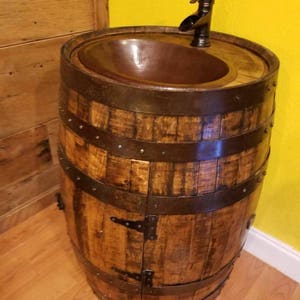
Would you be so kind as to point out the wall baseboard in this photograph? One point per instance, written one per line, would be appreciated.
(274, 252)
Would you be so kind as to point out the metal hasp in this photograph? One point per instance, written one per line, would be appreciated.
(146, 277)
(148, 226)
(60, 202)
(200, 21)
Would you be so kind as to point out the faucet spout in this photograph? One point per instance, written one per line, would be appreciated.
(199, 21)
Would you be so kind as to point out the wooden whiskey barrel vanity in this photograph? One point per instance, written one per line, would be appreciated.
(160, 175)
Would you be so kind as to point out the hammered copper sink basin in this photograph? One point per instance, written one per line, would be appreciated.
(163, 149)
(152, 61)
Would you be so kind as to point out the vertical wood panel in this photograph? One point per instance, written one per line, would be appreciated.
(121, 250)
(144, 127)
(67, 193)
(118, 171)
(97, 162)
(122, 123)
(139, 176)
(77, 150)
(165, 129)
(99, 115)
(37, 259)
(207, 176)
(179, 254)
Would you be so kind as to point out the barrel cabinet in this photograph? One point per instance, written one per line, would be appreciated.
(160, 181)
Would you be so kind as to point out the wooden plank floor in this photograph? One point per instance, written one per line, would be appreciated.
(37, 263)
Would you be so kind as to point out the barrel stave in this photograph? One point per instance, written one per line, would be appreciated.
(113, 180)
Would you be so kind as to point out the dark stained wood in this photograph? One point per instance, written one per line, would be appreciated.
(37, 259)
(188, 247)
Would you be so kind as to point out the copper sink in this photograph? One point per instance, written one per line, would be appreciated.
(153, 62)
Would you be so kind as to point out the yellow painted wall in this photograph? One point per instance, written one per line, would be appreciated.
(276, 25)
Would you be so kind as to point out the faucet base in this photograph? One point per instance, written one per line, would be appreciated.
(200, 42)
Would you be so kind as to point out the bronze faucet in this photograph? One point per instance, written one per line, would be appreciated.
(200, 21)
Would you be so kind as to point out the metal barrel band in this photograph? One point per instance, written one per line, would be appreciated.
(167, 102)
(110, 279)
(163, 152)
(208, 202)
(164, 290)
(160, 205)
(105, 193)
(189, 287)
(213, 295)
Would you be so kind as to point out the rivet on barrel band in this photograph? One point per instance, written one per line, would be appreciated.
(161, 205)
(147, 277)
(202, 102)
(177, 152)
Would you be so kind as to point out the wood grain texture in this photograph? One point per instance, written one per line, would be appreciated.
(29, 89)
(18, 193)
(30, 208)
(177, 235)
(24, 21)
(29, 149)
(31, 35)
(37, 261)
(53, 129)
(188, 247)
(101, 14)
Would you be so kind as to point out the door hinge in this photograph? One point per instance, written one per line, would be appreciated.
(148, 226)
(146, 277)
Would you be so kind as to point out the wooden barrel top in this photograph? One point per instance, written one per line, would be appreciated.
(253, 70)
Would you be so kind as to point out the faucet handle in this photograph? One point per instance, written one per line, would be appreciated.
(200, 21)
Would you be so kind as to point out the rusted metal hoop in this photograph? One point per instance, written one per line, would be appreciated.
(168, 101)
(161, 205)
(157, 291)
(163, 152)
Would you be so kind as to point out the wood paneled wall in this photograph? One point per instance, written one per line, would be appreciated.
(31, 34)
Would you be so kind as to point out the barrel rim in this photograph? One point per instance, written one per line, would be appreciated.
(169, 101)
(269, 57)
